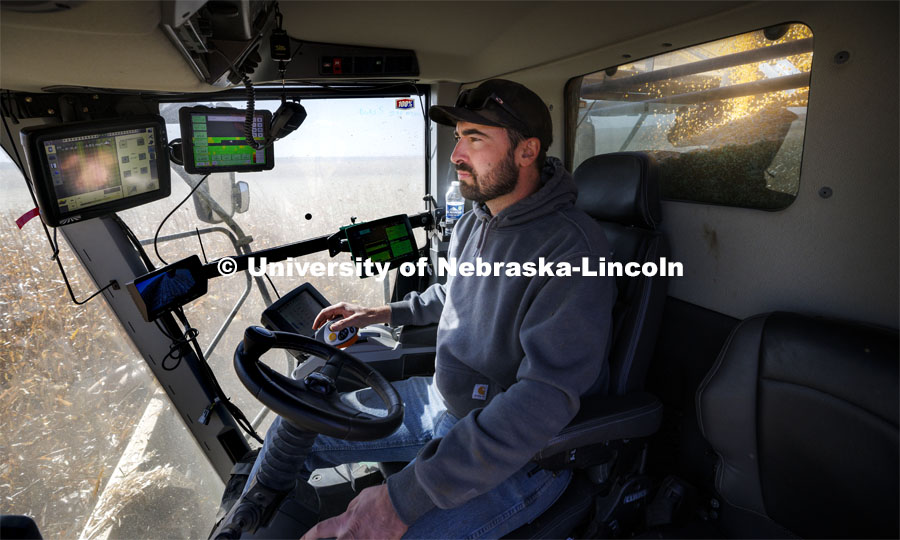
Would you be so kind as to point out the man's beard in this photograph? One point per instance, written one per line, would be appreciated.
(499, 181)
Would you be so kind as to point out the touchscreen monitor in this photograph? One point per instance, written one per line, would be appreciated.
(214, 140)
(387, 239)
(89, 169)
(295, 311)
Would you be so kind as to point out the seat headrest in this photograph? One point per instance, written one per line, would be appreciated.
(622, 188)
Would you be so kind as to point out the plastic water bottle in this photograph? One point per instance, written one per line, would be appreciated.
(455, 204)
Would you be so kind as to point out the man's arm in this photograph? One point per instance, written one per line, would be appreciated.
(565, 337)
(419, 309)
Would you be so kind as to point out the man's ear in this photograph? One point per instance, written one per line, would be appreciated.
(528, 151)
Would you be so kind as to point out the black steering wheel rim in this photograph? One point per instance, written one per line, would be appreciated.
(308, 407)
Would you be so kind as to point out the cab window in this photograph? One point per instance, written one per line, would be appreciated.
(725, 119)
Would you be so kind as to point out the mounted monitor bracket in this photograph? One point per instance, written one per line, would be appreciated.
(213, 36)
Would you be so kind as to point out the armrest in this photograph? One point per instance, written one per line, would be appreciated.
(607, 418)
(418, 335)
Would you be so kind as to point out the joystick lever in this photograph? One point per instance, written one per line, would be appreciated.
(340, 338)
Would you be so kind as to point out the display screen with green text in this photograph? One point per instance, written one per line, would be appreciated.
(387, 239)
(215, 140)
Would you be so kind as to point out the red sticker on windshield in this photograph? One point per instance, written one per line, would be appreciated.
(27, 216)
(406, 103)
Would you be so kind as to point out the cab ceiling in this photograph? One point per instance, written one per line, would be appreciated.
(119, 44)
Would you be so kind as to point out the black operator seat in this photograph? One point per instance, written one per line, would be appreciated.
(802, 413)
(621, 192)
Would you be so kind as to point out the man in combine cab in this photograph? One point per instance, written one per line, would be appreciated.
(514, 353)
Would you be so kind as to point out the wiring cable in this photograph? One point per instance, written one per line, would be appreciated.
(272, 284)
(161, 223)
(251, 104)
(189, 339)
(54, 246)
(239, 417)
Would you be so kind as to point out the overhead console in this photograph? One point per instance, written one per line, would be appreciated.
(90, 169)
(213, 36)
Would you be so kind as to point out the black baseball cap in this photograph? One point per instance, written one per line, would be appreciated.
(501, 103)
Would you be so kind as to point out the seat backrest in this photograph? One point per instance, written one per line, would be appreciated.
(802, 413)
(621, 191)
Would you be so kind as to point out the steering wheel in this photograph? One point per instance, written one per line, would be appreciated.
(314, 404)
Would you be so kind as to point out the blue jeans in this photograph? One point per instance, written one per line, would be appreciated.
(518, 500)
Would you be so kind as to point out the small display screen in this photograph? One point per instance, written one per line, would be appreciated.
(168, 288)
(163, 289)
(383, 240)
(216, 140)
(95, 169)
(295, 311)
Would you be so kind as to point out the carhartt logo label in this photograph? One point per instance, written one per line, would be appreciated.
(480, 392)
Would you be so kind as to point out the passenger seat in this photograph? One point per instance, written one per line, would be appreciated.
(802, 413)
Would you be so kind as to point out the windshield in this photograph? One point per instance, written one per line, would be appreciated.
(351, 158)
(69, 369)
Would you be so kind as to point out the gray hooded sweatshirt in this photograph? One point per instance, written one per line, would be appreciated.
(514, 353)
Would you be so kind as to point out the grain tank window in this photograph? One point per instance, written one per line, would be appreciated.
(725, 119)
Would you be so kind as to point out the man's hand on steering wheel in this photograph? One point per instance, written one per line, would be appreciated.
(369, 515)
(353, 315)
(309, 406)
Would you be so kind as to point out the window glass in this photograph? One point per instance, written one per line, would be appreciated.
(90, 445)
(725, 120)
(351, 158)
